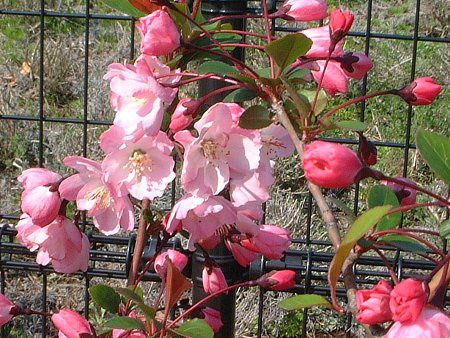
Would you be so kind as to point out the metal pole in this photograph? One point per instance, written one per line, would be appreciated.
(226, 304)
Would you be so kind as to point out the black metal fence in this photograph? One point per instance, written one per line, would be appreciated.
(111, 256)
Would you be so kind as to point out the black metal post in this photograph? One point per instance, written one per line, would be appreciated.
(226, 304)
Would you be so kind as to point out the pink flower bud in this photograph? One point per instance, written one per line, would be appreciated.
(373, 305)
(118, 333)
(421, 92)
(278, 280)
(407, 300)
(41, 204)
(5, 310)
(330, 165)
(356, 65)
(177, 258)
(35, 177)
(406, 195)
(160, 35)
(213, 318)
(242, 255)
(213, 279)
(305, 10)
(340, 24)
(182, 116)
(271, 241)
(210, 242)
(72, 325)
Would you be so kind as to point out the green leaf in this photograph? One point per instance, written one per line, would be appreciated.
(298, 73)
(216, 67)
(304, 301)
(130, 294)
(349, 213)
(264, 72)
(288, 49)
(106, 297)
(182, 22)
(444, 229)
(357, 230)
(195, 328)
(404, 243)
(309, 96)
(125, 7)
(240, 95)
(255, 117)
(125, 323)
(352, 125)
(435, 149)
(383, 195)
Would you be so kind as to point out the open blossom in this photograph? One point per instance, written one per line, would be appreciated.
(213, 279)
(431, 323)
(40, 198)
(405, 195)
(407, 300)
(200, 216)
(422, 91)
(220, 152)
(138, 97)
(72, 325)
(330, 165)
(271, 241)
(5, 310)
(103, 201)
(60, 243)
(213, 318)
(144, 168)
(373, 304)
(160, 35)
(320, 37)
(178, 259)
(182, 116)
(305, 10)
(278, 280)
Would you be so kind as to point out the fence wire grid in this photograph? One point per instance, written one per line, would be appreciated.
(110, 256)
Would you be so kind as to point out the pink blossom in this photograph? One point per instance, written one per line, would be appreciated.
(373, 304)
(213, 318)
(407, 300)
(406, 195)
(138, 97)
(200, 216)
(36, 177)
(118, 333)
(305, 10)
(210, 242)
(356, 65)
(160, 35)
(422, 91)
(321, 42)
(431, 323)
(271, 241)
(182, 116)
(213, 279)
(107, 204)
(335, 79)
(330, 165)
(177, 258)
(72, 325)
(221, 151)
(242, 255)
(5, 310)
(278, 280)
(144, 168)
(340, 23)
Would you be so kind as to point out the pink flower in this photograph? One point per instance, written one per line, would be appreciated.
(118, 333)
(182, 116)
(200, 216)
(213, 279)
(242, 255)
(335, 79)
(213, 318)
(278, 280)
(321, 42)
(330, 165)
(177, 258)
(271, 241)
(340, 23)
(407, 300)
(431, 323)
(305, 10)
(220, 152)
(5, 310)
(373, 305)
(72, 325)
(160, 35)
(406, 195)
(144, 167)
(102, 200)
(138, 97)
(36, 177)
(422, 91)
(210, 242)
(356, 65)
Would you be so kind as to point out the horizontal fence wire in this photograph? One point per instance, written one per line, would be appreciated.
(311, 264)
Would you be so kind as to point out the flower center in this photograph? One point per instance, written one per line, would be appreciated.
(139, 161)
(138, 101)
(212, 151)
(270, 144)
(101, 196)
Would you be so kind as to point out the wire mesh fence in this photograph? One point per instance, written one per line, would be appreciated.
(408, 44)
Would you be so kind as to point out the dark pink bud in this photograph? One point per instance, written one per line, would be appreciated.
(72, 325)
(407, 300)
(278, 280)
(405, 195)
(368, 150)
(5, 310)
(213, 318)
(356, 65)
(373, 305)
(182, 116)
(177, 258)
(422, 91)
(213, 279)
(340, 24)
(305, 10)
